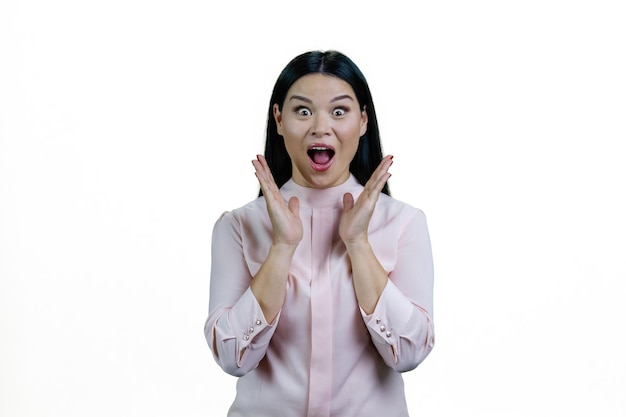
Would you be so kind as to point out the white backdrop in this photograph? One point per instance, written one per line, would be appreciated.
(127, 127)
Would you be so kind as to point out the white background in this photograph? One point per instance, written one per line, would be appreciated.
(127, 127)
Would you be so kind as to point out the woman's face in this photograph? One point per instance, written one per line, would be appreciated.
(321, 123)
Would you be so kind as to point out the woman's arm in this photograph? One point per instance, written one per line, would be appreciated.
(401, 325)
(243, 310)
(269, 283)
(396, 307)
(369, 277)
(236, 329)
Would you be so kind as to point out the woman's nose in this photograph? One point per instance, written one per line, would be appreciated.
(321, 125)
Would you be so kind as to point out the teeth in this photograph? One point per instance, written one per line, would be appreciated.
(319, 148)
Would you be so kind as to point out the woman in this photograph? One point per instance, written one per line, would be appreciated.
(321, 289)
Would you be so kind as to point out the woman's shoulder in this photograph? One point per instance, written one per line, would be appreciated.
(252, 208)
(397, 207)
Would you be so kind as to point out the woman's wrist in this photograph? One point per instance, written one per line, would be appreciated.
(282, 250)
(358, 246)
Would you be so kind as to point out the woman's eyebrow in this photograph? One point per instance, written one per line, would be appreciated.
(341, 97)
(308, 100)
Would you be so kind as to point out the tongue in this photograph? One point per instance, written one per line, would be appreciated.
(321, 157)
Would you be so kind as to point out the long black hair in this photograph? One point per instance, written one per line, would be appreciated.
(369, 152)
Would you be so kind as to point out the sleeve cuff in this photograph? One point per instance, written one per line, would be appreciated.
(390, 316)
(249, 323)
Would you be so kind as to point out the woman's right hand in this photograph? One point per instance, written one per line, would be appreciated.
(285, 217)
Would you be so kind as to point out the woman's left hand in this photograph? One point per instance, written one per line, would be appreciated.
(355, 217)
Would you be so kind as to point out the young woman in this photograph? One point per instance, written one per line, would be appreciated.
(321, 288)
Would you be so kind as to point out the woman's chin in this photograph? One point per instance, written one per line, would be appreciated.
(321, 179)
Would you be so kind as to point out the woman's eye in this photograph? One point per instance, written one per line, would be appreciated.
(339, 112)
(303, 111)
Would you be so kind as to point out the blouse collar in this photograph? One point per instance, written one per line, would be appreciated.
(322, 197)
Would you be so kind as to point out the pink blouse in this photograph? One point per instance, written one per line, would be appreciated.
(322, 356)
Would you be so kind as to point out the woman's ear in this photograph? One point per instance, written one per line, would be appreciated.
(278, 118)
(363, 121)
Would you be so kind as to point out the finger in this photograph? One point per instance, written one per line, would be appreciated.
(261, 176)
(377, 181)
(380, 183)
(348, 202)
(383, 173)
(383, 168)
(386, 162)
(263, 163)
(379, 174)
(294, 206)
(261, 167)
(264, 175)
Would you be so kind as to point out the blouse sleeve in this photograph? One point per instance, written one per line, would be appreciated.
(401, 325)
(236, 329)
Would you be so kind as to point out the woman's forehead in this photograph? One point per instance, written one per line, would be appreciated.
(317, 84)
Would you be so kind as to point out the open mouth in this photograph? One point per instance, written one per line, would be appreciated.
(320, 156)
